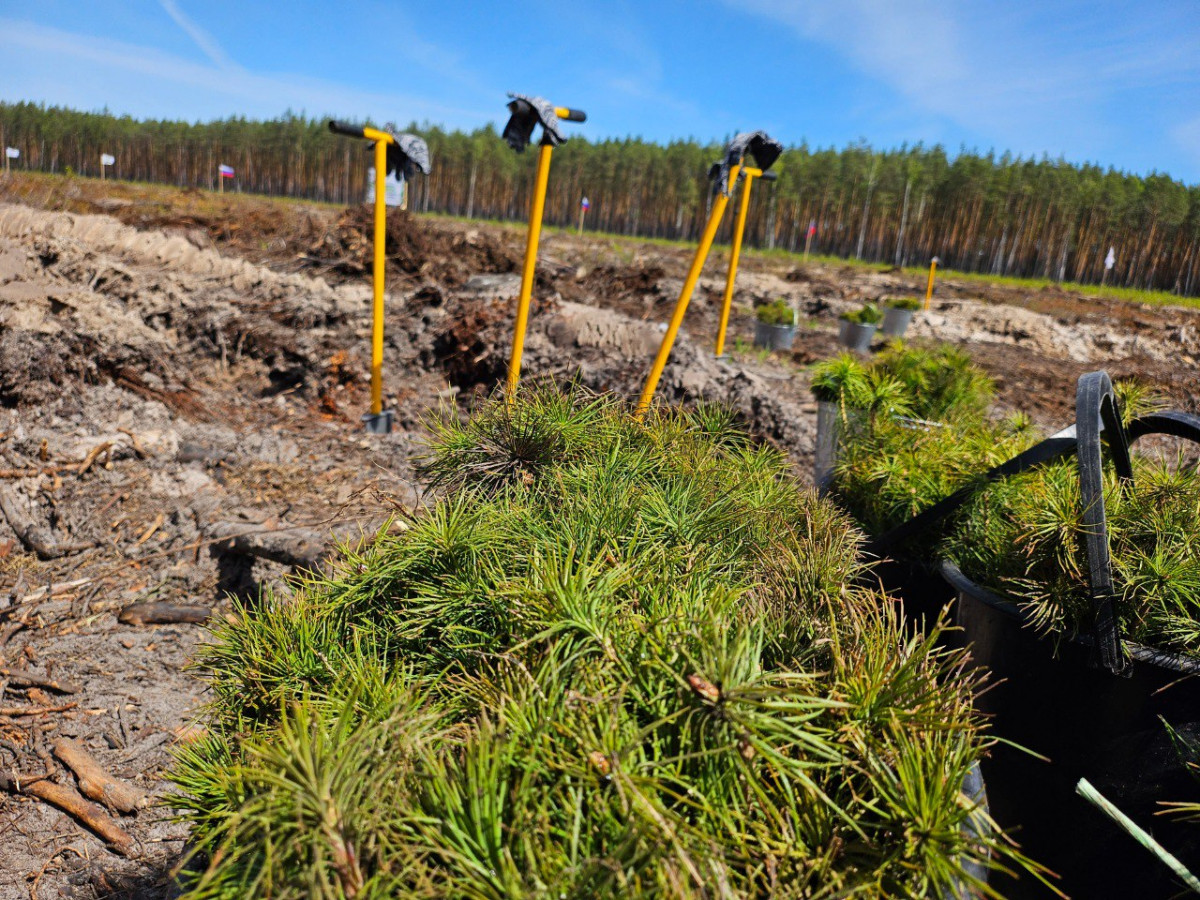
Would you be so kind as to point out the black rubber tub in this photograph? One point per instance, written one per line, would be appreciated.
(1048, 697)
(1095, 706)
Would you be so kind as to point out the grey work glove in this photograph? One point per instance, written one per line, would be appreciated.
(758, 144)
(528, 112)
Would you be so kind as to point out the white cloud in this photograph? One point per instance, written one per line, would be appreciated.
(90, 72)
(624, 61)
(915, 45)
(1038, 78)
(199, 36)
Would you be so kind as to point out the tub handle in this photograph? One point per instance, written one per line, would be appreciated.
(1097, 411)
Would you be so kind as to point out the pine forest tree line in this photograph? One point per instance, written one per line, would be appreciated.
(1001, 215)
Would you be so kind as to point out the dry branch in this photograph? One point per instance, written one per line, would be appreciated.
(303, 548)
(94, 782)
(93, 455)
(149, 532)
(298, 546)
(26, 679)
(158, 613)
(32, 537)
(34, 710)
(71, 802)
(142, 452)
(55, 589)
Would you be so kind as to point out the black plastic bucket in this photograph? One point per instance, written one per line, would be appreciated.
(1096, 707)
(1046, 696)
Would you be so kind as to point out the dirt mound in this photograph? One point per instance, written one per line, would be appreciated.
(251, 228)
(467, 340)
(609, 351)
(159, 401)
(447, 256)
(619, 282)
(971, 322)
(286, 236)
(814, 281)
(142, 308)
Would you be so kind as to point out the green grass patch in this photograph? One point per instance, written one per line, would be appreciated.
(1129, 295)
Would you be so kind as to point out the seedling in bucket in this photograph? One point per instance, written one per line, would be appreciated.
(775, 328)
(898, 315)
(765, 151)
(405, 153)
(858, 327)
(528, 113)
(1072, 572)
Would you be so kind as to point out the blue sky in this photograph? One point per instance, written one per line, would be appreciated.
(1116, 83)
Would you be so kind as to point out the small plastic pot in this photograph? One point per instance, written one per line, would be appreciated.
(855, 336)
(896, 321)
(1044, 695)
(774, 337)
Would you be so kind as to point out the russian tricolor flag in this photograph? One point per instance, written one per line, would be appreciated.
(225, 171)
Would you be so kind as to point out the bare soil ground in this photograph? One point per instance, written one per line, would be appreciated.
(181, 380)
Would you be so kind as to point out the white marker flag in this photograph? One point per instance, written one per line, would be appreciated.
(1110, 260)
(106, 160)
(12, 152)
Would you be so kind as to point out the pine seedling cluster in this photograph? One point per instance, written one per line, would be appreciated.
(615, 658)
(914, 429)
(1024, 537)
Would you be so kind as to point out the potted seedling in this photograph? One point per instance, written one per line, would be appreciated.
(858, 327)
(1079, 590)
(895, 436)
(1016, 528)
(775, 328)
(898, 315)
